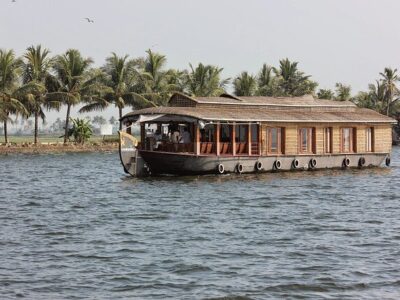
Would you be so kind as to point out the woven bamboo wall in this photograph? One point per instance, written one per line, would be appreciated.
(382, 137)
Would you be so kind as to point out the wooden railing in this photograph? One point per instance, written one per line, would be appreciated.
(241, 148)
(254, 149)
(225, 148)
(207, 147)
(174, 147)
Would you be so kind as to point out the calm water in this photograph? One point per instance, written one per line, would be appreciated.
(75, 227)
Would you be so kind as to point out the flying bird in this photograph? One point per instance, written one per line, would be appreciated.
(89, 20)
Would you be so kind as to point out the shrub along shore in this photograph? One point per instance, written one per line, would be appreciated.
(56, 148)
(54, 144)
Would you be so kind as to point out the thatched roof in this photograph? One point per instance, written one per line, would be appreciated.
(226, 99)
(360, 115)
(264, 109)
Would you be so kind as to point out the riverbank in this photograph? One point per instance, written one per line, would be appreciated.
(56, 148)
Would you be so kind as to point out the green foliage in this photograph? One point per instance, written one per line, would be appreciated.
(291, 81)
(123, 83)
(266, 82)
(81, 130)
(325, 94)
(73, 82)
(343, 92)
(245, 84)
(286, 80)
(36, 69)
(383, 96)
(10, 69)
(100, 120)
(204, 81)
(389, 79)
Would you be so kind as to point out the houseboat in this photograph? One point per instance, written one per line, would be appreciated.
(230, 134)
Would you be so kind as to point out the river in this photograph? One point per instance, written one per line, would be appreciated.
(74, 226)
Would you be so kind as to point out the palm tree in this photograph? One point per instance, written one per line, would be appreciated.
(10, 69)
(293, 82)
(389, 80)
(120, 80)
(204, 80)
(154, 82)
(72, 82)
(363, 99)
(245, 84)
(265, 81)
(377, 95)
(343, 92)
(326, 94)
(37, 66)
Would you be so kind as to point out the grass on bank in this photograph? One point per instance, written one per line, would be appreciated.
(55, 139)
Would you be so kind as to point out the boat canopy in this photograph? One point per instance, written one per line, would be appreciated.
(162, 118)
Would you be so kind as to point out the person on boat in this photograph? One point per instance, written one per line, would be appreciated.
(175, 137)
(186, 138)
(158, 138)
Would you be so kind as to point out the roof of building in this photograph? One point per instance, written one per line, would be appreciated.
(264, 109)
(264, 114)
(226, 99)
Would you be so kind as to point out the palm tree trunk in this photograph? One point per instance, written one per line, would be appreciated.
(36, 128)
(120, 116)
(67, 123)
(388, 107)
(5, 132)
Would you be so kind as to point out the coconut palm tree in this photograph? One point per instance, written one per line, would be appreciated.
(291, 81)
(36, 70)
(205, 80)
(72, 82)
(326, 94)
(245, 84)
(343, 92)
(363, 99)
(377, 95)
(389, 80)
(154, 82)
(121, 78)
(266, 81)
(10, 69)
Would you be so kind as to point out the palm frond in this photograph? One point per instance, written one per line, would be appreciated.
(137, 101)
(97, 104)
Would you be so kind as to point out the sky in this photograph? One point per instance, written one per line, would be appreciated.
(348, 41)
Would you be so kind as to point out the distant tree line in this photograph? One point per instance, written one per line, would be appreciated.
(37, 82)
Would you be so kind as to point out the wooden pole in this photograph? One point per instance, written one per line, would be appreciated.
(233, 139)
(259, 138)
(217, 138)
(196, 140)
(249, 139)
(143, 136)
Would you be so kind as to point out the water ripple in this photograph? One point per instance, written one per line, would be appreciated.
(74, 227)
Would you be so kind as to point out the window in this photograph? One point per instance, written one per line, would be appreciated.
(207, 134)
(254, 128)
(275, 140)
(328, 140)
(369, 139)
(225, 134)
(306, 140)
(241, 133)
(348, 140)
